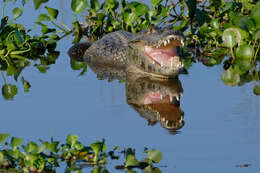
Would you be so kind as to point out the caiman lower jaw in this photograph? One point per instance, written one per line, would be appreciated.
(165, 56)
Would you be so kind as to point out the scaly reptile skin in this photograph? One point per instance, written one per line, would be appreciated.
(128, 51)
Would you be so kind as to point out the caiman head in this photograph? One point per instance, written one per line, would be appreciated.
(155, 51)
(156, 101)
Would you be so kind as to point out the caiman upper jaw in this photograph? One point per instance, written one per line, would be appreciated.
(177, 39)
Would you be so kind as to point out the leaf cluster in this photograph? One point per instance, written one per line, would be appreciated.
(46, 156)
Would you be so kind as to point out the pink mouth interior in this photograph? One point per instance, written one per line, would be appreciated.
(163, 56)
(155, 97)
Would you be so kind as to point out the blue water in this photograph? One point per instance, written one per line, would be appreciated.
(221, 130)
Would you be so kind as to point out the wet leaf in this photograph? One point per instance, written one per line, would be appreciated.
(17, 12)
(16, 142)
(231, 37)
(255, 14)
(155, 155)
(72, 139)
(230, 77)
(31, 147)
(131, 161)
(3, 137)
(245, 52)
(94, 4)
(155, 2)
(38, 3)
(257, 89)
(52, 12)
(43, 17)
(9, 91)
(78, 6)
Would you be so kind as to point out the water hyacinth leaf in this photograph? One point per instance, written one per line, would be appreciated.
(131, 161)
(155, 2)
(257, 34)
(230, 77)
(38, 3)
(202, 17)
(53, 146)
(230, 38)
(78, 6)
(43, 17)
(141, 9)
(245, 52)
(16, 142)
(72, 139)
(192, 4)
(150, 169)
(78, 32)
(255, 14)
(94, 4)
(3, 137)
(257, 89)
(242, 66)
(9, 91)
(129, 18)
(98, 147)
(17, 12)
(2, 156)
(155, 155)
(77, 65)
(52, 12)
(31, 147)
(131, 171)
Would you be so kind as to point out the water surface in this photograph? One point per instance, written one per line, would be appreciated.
(221, 128)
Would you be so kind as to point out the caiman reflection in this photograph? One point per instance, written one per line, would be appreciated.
(156, 101)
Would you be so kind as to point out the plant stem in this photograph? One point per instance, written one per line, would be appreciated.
(59, 27)
(232, 54)
(65, 26)
(2, 74)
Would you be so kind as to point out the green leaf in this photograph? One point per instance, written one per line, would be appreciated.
(31, 147)
(43, 17)
(17, 12)
(78, 6)
(155, 155)
(131, 161)
(2, 157)
(16, 142)
(155, 2)
(38, 3)
(255, 14)
(72, 139)
(257, 34)
(9, 91)
(231, 37)
(245, 52)
(141, 9)
(3, 137)
(257, 89)
(202, 17)
(52, 12)
(192, 5)
(53, 146)
(230, 77)
(129, 18)
(94, 4)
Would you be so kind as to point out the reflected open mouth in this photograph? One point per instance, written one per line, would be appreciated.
(158, 97)
(165, 53)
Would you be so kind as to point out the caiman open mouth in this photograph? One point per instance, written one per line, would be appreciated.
(164, 53)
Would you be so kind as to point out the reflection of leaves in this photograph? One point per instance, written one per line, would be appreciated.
(257, 89)
(230, 77)
(9, 91)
